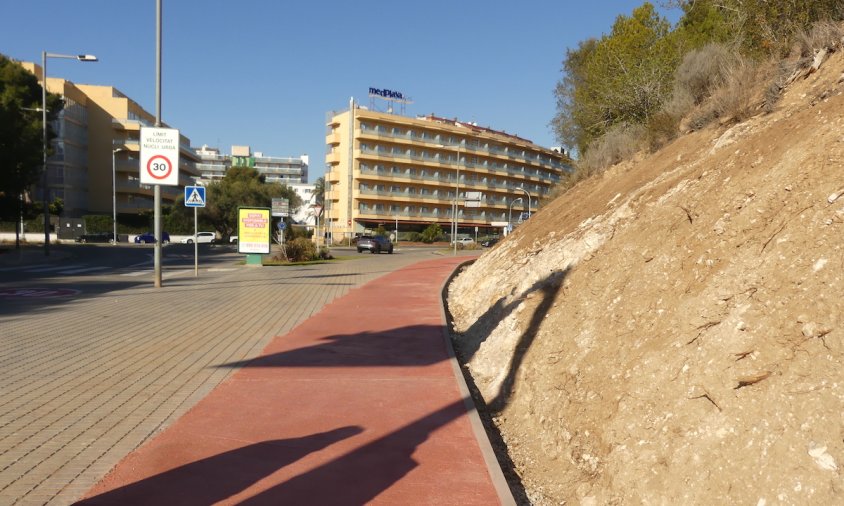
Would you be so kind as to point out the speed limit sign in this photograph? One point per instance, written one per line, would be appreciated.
(160, 156)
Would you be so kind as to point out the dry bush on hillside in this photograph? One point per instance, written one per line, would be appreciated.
(731, 96)
(619, 143)
(662, 128)
(701, 71)
(733, 99)
(823, 34)
(567, 182)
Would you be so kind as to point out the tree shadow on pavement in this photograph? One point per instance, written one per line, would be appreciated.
(221, 476)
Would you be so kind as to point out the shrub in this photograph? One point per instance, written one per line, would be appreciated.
(823, 34)
(733, 99)
(301, 249)
(661, 129)
(325, 253)
(96, 223)
(618, 144)
(432, 234)
(701, 71)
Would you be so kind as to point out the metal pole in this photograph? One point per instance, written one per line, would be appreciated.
(20, 224)
(114, 195)
(157, 195)
(528, 196)
(397, 230)
(456, 198)
(510, 213)
(46, 191)
(195, 247)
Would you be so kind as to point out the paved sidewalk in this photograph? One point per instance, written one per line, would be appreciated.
(93, 373)
(360, 404)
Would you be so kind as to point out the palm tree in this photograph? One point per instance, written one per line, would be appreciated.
(319, 190)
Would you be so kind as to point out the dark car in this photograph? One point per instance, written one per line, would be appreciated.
(489, 242)
(375, 244)
(98, 237)
(149, 238)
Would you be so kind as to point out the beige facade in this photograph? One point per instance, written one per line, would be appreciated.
(384, 169)
(99, 121)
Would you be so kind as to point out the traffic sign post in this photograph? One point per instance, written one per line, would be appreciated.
(159, 164)
(195, 198)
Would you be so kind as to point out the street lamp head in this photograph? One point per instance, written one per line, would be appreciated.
(86, 57)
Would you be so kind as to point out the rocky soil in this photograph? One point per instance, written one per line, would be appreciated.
(671, 332)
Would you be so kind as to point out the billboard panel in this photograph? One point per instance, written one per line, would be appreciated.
(253, 230)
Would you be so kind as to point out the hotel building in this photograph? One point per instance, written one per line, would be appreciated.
(387, 169)
(97, 126)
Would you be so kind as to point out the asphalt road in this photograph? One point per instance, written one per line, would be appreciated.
(104, 260)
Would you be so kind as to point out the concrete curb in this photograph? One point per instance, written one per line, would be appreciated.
(502, 488)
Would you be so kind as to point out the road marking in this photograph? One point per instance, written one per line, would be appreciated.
(84, 269)
(221, 269)
(173, 274)
(136, 273)
(164, 275)
(22, 267)
(55, 268)
(38, 292)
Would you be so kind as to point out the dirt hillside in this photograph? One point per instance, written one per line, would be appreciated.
(671, 332)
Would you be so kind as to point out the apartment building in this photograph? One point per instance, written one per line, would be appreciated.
(98, 126)
(212, 164)
(388, 169)
(284, 170)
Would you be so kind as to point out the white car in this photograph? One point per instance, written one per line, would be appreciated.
(201, 237)
(464, 241)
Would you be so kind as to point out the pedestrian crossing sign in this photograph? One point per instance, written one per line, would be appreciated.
(194, 196)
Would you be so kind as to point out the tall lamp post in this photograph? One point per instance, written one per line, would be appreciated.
(46, 190)
(510, 214)
(456, 199)
(114, 193)
(528, 196)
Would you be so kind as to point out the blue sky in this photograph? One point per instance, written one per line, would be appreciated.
(264, 73)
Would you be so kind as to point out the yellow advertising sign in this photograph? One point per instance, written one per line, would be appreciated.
(253, 230)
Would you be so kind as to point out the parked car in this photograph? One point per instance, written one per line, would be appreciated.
(201, 237)
(489, 242)
(98, 237)
(375, 244)
(149, 238)
(464, 241)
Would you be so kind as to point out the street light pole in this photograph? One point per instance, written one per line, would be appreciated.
(528, 196)
(510, 213)
(46, 190)
(114, 193)
(456, 199)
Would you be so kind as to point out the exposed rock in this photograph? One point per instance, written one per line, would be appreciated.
(667, 332)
